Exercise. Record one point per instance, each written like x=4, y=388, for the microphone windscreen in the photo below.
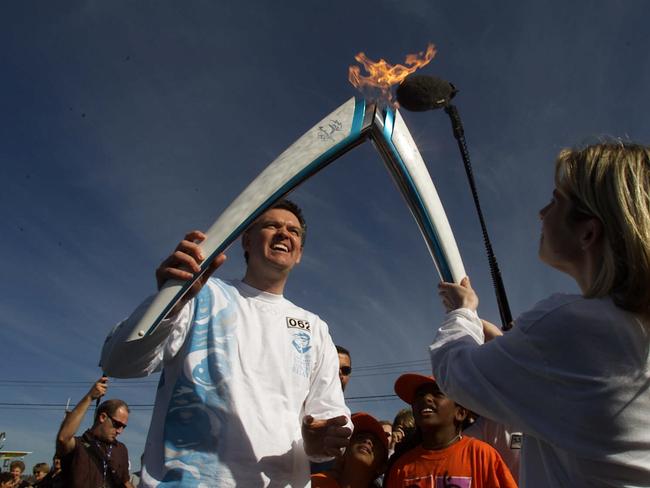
x=421, y=92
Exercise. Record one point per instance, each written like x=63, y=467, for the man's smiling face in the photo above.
x=274, y=241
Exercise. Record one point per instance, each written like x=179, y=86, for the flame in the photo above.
x=382, y=75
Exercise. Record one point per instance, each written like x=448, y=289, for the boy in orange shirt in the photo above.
x=364, y=459
x=440, y=455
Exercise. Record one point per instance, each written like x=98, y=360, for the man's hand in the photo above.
x=325, y=437
x=184, y=263
x=458, y=296
x=98, y=390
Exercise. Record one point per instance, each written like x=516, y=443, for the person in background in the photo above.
x=403, y=426
x=345, y=365
x=364, y=459
x=40, y=471
x=6, y=480
x=437, y=453
x=95, y=458
x=53, y=479
x=574, y=371
x=17, y=468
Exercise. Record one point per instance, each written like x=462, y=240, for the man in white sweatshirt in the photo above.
x=249, y=386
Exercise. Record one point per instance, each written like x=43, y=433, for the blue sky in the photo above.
x=126, y=124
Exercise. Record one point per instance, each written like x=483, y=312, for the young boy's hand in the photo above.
x=455, y=296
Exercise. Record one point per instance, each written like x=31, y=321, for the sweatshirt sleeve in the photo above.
x=506, y=379
x=325, y=398
x=121, y=358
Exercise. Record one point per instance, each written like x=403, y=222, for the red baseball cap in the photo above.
x=407, y=384
x=364, y=422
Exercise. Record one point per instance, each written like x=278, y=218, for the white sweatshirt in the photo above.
x=573, y=375
x=241, y=368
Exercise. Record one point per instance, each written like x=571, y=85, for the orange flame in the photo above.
x=382, y=75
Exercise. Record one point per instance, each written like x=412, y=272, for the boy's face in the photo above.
x=433, y=410
x=366, y=448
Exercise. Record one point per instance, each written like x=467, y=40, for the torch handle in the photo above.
x=497, y=281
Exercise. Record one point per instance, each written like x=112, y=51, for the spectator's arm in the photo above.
x=65, y=441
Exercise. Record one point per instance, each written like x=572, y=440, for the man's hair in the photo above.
x=386, y=422
x=611, y=182
x=17, y=464
x=344, y=351
x=40, y=468
x=286, y=204
x=110, y=407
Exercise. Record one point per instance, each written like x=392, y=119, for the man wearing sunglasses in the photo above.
x=345, y=365
x=95, y=458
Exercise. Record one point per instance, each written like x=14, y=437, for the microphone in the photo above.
x=419, y=93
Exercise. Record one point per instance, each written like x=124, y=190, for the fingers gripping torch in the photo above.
x=420, y=93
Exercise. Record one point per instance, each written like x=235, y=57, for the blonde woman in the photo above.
x=574, y=373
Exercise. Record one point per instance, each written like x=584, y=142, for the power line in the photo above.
x=45, y=406
x=360, y=372
x=415, y=362
x=72, y=382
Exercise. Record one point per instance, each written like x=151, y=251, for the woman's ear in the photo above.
x=591, y=233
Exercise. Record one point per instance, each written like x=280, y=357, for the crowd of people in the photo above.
x=43, y=476
x=376, y=450
x=251, y=391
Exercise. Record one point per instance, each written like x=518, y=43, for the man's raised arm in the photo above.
x=65, y=441
x=122, y=358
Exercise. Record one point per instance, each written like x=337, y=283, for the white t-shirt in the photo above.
x=573, y=375
x=241, y=368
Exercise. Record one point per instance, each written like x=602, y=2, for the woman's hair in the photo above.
x=404, y=418
x=611, y=182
